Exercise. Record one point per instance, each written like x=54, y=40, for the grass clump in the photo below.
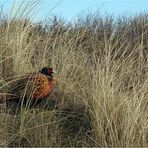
x=102, y=72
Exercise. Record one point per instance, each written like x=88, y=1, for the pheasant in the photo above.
x=33, y=87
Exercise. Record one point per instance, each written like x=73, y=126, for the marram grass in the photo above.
x=101, y=66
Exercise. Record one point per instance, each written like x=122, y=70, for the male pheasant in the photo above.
x=33, y=87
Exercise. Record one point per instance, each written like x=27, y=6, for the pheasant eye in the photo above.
x=50, y=70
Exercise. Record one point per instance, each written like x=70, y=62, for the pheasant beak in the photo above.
x=54, y=72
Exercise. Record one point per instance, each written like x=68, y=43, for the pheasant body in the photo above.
x=34, y=86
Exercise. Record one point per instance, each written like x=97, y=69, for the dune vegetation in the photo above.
x=101, y=66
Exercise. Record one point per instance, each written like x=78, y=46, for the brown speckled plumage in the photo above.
x=35, y=86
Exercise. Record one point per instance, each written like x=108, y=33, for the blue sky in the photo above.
x=70, y=9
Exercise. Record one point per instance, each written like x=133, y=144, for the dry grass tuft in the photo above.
x=102, y=72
